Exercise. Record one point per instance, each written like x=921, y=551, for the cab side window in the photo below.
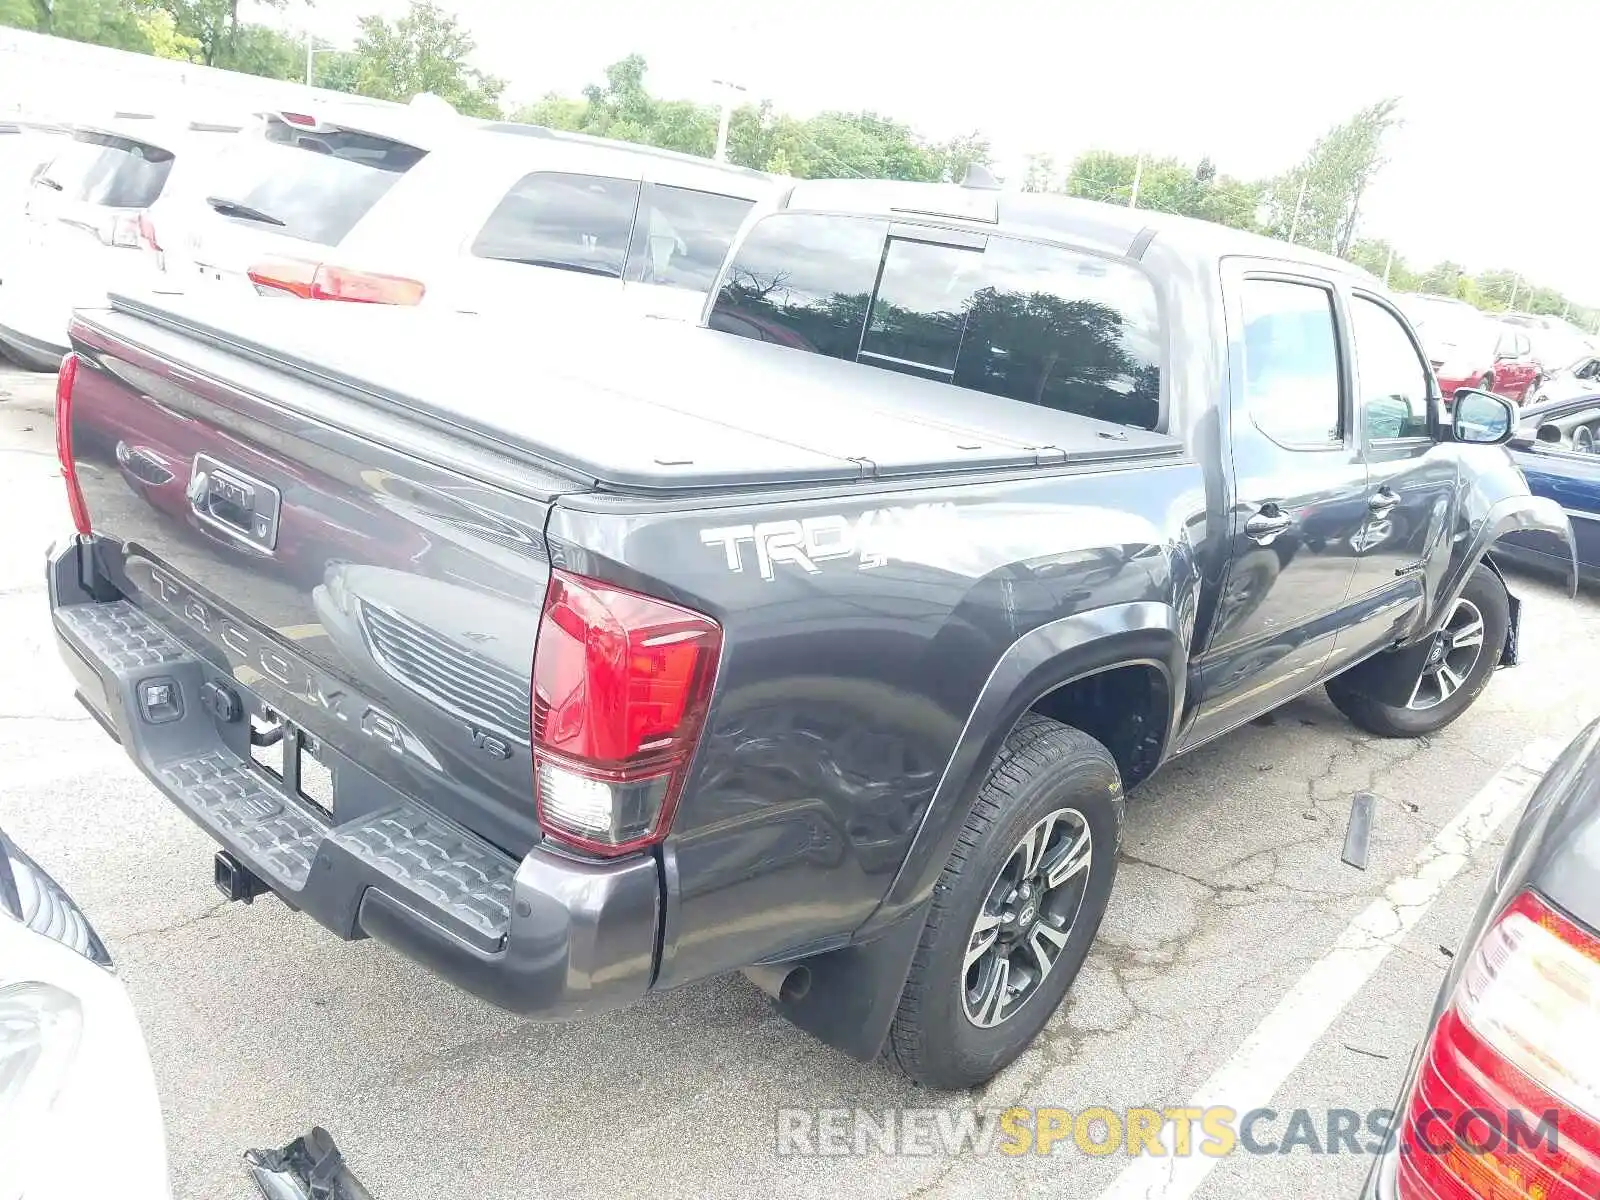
x=1291, y=363
x=1393, y=375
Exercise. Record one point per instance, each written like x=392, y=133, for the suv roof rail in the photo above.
x=520, y=129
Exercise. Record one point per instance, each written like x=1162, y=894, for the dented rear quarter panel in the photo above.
x=860, y=629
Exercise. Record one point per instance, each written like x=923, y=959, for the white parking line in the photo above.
x=1269, y=1055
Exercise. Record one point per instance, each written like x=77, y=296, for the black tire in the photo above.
x=1374, y=695
x=1043, y=769
x=1487, y=383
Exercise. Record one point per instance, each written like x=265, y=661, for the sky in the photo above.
x=1492, y=167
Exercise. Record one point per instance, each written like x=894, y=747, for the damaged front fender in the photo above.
x=1493, y=501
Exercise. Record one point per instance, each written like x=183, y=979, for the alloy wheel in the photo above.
x=1027, y=917
x=1451, y=658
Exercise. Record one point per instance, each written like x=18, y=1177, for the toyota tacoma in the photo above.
x=822, y=639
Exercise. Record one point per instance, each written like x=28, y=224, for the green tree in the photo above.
x=1040, y=174
x=1165, y=185
x=1318, y=202
x=1379, y=256
x=1444, y=278
x=426, y=50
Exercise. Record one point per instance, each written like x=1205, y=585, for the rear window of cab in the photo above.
x=1026, y=320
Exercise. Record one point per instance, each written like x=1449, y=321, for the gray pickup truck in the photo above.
x=820, y=640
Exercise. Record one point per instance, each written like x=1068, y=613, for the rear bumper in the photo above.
x=37, y=354
x=549, y=936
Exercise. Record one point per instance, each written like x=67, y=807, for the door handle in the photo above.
x=1267, y=524
x=1382, y=500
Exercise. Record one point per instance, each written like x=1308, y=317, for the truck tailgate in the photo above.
x=385, y=602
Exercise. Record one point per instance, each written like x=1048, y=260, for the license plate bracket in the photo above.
x=294, y=759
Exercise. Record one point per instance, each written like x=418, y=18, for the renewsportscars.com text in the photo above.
x=1158, y=1132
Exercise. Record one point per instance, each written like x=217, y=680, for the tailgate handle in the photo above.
x=234, y=502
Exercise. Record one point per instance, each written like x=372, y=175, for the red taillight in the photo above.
x=65, y=382
x=304, y=120
x=320, y=281
x=1506, y=1104
x=621, y=684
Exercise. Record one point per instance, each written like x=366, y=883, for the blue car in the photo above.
x=1557, y=445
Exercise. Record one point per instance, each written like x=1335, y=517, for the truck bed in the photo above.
x=668, y=407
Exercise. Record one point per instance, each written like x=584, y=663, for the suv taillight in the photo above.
x=621, y=684
x=65, y=382
x=1507, y=1099
x=321, y=281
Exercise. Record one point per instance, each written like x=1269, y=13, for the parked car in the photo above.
x=1502, y=1098
x=466, y=216
x=1578, y=378
x=852, y=611
x=87, y=229
x=1557, y=446
x=1467, y=348
x=79, y=1115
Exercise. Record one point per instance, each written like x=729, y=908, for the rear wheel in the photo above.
x=1487, y=382
x=1421, y=689
x=1016, y=909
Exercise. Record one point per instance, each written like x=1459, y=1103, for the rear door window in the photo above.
x=313, y=188
x=1031, y=322
x=681, y=236
x=108, y=170
x=1292, y=384
x=557, y=219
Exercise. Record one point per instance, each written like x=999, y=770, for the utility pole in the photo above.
x=726, y=117
x=1388, y=265
x=1138, y=175
x=311, y=56
x=1511, y=305
x=1299, y=202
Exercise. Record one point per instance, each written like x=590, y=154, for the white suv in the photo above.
x=86, y=227
x=467, y=216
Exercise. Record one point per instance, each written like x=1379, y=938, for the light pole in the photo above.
x=312, y=50
x=726, y=116
x=1138, y=177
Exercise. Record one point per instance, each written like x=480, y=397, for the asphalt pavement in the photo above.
x=1229, y=898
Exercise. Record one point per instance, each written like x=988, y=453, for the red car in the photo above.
x=1470, y=349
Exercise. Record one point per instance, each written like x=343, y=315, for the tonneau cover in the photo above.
x=646, y=404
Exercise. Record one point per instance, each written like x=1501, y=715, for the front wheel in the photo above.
x=1422, y=688
x=1016, y=909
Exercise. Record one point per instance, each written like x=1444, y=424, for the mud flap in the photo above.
x=1511, y=655
x=855, y=991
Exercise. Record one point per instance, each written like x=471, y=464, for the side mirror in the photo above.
x=1482, y=419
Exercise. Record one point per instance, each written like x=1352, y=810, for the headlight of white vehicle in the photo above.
x=41, y=1027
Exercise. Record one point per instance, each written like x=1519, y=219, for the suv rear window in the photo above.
x=103, y=168
x=318, y=184
x=1014, y=318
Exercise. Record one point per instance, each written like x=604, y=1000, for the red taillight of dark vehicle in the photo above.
x=1506, y=1105
x=321, y=281
x=65, y=382
x=621, y=684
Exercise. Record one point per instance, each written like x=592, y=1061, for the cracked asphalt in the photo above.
x=1230, y=886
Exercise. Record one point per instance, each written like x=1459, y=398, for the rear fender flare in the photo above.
x=854, y=991
x=1142, y=633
